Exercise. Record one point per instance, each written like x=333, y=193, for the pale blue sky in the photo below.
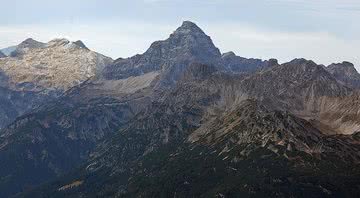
x=323, y=30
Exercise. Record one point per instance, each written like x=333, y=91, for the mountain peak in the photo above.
x=189, y=29
x=347, y=64
x=342, y=66
x=187, y=44
x=30, y=43
x=228, y=54
x=29, y=40
x=301, y=61
x=80, y=44
x=346, y=73
x=24, y=46
x=188, y=26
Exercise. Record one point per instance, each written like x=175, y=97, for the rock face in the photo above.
x=301, y=87
x=170, y=57
x=14, y=103
x=181, y=117
x=346, y=73
x=24, y=46
x=37, y=72
x=237, y=64
x=59, y=64
x=99, y=107
x=339, y=115
x=175, y=144
x=188, y=44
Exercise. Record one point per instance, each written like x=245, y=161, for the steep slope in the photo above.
x=203, y=94
x=297, y=85
x=346, y=73
x=36, y=72
x=164, y=121
x=205, y=131
x=308, y=91
x=14, y=103
x=186, y=45
x=25, y=46
x=92, y=110
x=339, y=115
x=151, y=103
x=58, y=64
x=250, y=151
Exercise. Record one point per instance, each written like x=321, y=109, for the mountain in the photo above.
x=169, y=57
x=161, y=122
x=339, y=115
x=207, y=129
x=58, y=64
x=100, y=106
x=308, y=91
x=24, y=46
x=237, y=64
x=346, y=73
x=183, y=146
x=38, y=72
x=7, y=51
x=2, y=55
x=188, y=44
x=14, y=103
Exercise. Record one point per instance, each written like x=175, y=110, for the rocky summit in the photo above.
x=37, y=72
x=58, y=64
x=180, y=120
x=346, y=73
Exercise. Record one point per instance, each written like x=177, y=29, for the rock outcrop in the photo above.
x=345, y=73
x=38, y=72
x=237, y=64
x=58, y=64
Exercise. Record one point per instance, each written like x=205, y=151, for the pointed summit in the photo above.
x=189, y=38
x=25, y=45
x=30, y=43
x=188, y=27
x=80, y=44
x=187, y=44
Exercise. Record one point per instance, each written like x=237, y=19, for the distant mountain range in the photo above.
x=180, y=120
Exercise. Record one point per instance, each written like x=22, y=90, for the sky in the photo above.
x=325, y=31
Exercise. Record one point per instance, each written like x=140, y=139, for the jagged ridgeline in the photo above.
x=184, y=120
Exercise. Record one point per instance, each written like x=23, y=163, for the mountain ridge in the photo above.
x=346, y=73
x=181, y=99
